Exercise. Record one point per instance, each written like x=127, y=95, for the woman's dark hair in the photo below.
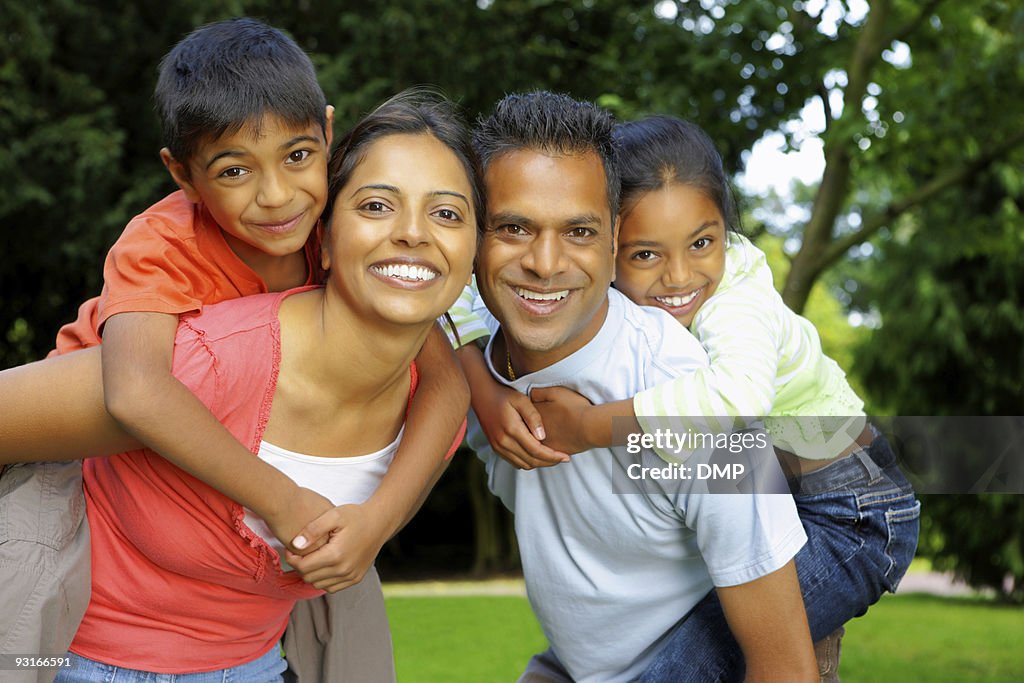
x=661, y=150
x=410, y=112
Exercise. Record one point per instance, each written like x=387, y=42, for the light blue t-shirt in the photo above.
x=609, y=574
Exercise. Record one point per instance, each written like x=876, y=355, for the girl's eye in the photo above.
x=298, y=156
x=448, y=215
x=702, y=243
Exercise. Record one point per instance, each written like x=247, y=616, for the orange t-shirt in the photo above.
x=172, y=258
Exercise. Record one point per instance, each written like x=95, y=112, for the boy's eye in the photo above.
x=233, y=172
x=298, y=156
x=645, y=255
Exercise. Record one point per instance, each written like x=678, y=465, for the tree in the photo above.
x=917, y=115
x=878, y=106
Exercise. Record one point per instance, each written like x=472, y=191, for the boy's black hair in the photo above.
x=551, y=123
x=411, y=112
x=661, y=150
x=225, y=75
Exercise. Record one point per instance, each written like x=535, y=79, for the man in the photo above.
x=610, y=575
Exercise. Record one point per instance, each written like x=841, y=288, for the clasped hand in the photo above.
x=339, y=547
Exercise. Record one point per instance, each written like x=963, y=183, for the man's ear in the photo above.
x=615, y=244
x=180, y=175
x=329, y=125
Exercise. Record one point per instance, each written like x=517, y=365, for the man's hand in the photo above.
x=354, y=538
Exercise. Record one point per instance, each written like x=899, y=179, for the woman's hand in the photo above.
x=354, y=538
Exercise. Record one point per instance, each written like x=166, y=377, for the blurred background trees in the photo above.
x=914, y=232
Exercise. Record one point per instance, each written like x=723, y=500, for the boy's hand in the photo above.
x=295, y=514
x=354, y=538
x=564, y=413
x=505, y=416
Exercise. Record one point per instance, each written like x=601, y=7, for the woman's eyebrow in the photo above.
x=449, y=193
x=376, y=186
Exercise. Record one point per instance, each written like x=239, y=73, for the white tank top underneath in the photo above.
x=341, y=480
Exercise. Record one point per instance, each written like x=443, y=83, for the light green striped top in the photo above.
x=765, y=362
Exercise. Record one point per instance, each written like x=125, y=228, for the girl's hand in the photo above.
x=564, y=413
x=354, y=538
x=514, y=428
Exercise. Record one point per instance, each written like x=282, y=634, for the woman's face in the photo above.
x=671, y=251
x=403, y=231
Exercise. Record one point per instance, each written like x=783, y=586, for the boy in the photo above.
x=248, y=133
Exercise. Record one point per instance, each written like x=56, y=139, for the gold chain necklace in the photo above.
x=508, y=366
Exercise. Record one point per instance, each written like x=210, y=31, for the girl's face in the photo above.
x=403, y=231
x=671, y=250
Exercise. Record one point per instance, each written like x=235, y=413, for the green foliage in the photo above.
x=950, y=293
x=984, y=554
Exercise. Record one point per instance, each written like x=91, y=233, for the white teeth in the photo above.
x=406, y=272
x=675, y=301
x=542, y=296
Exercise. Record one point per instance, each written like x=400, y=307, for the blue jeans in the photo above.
x=265, y=669
x=862, y=522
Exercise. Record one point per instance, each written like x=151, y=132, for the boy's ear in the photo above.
x=329, y=125
x=180, y=175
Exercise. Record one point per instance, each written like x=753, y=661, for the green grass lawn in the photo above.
x=462, y=639
x=926, y=638
x=903, y=638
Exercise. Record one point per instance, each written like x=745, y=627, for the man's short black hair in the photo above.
x=231, y=73
x=552, y=123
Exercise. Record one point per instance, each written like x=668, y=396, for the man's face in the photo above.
x=547, y=257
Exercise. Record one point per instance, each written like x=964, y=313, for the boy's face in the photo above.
x=265, y=185
x=547, y=258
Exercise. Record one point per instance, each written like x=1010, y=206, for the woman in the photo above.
x=314, y=380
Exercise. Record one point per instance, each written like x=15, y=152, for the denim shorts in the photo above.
x=265, y=669
x=862, y=522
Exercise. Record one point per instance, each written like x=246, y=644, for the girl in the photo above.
x=315, y=380
x=678, y=249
